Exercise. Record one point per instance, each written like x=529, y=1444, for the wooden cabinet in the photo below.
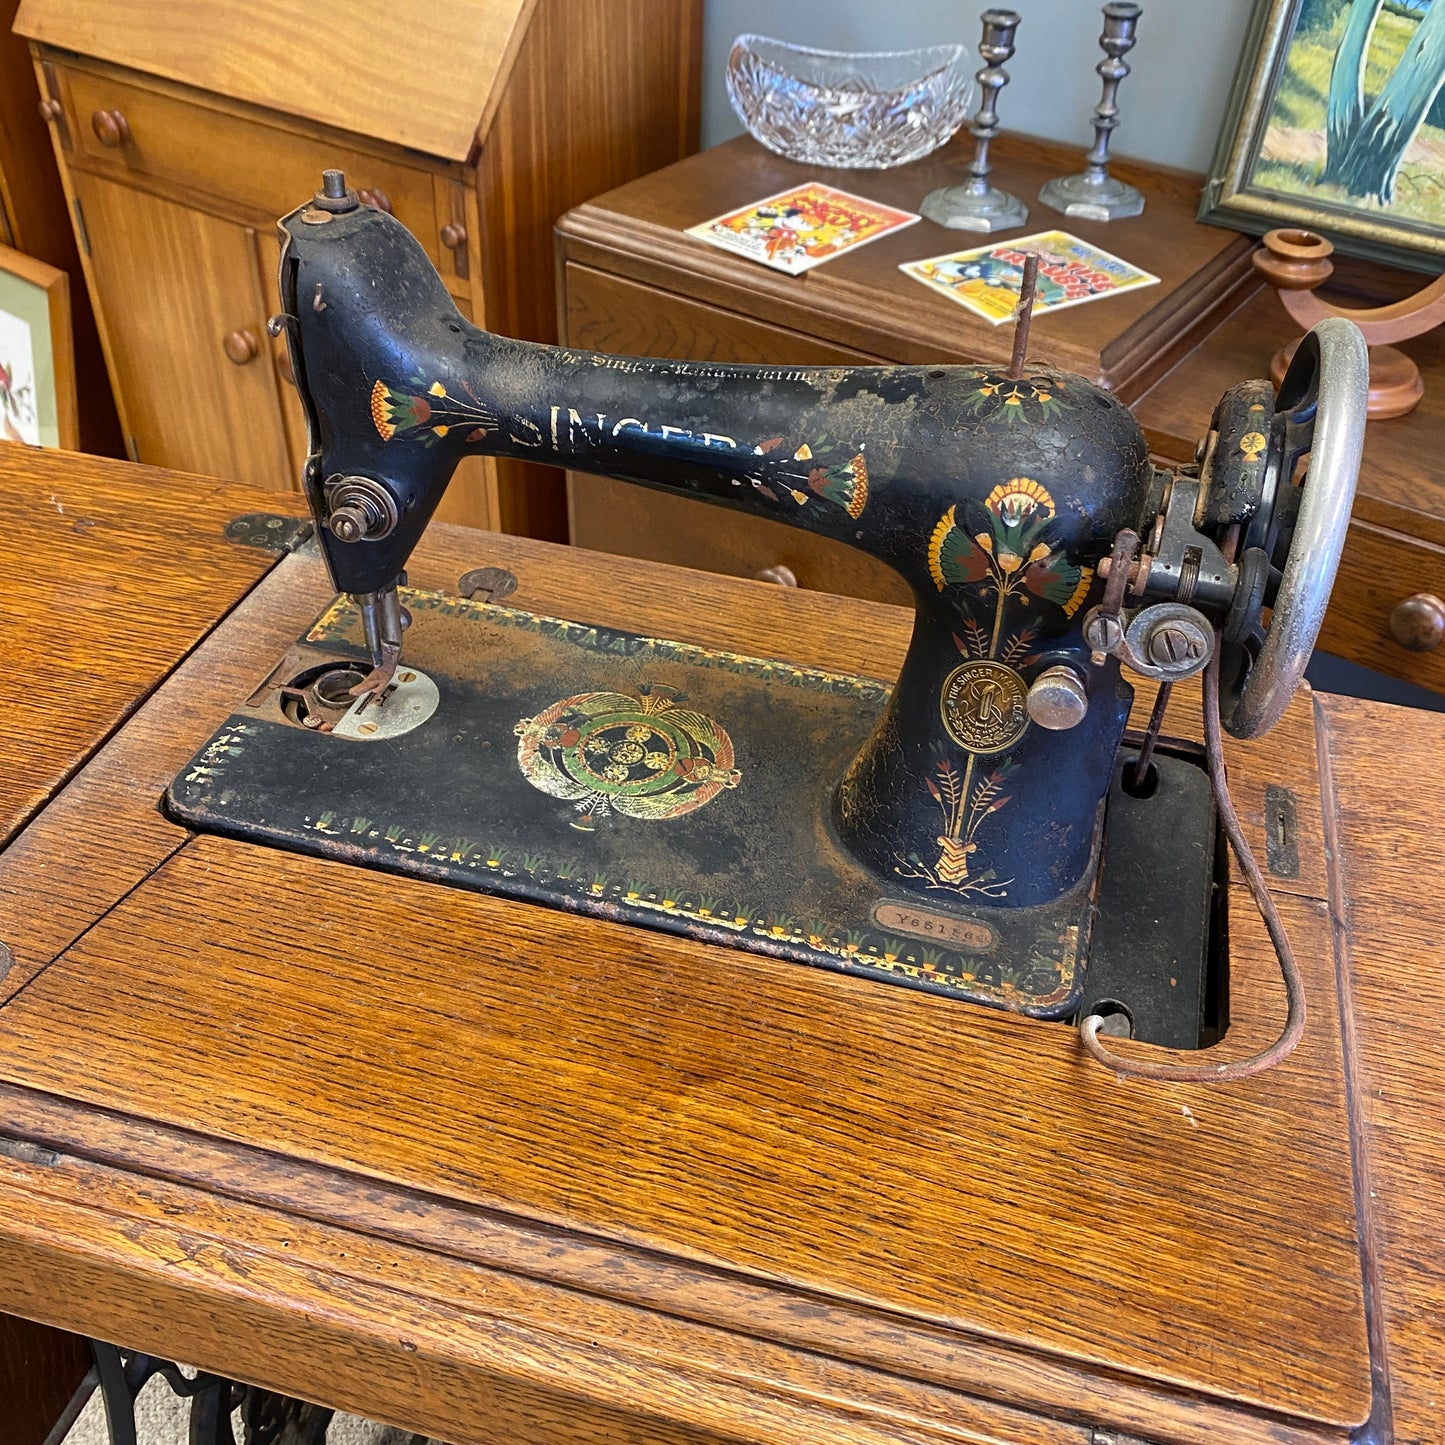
x=632, y=283
x=183, y=136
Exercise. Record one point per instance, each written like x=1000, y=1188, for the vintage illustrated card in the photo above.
x=801, y=228
x=987, y=279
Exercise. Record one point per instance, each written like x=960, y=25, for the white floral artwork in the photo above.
x=19, y=420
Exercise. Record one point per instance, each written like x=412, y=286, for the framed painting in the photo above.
x=1336, y=123
x=37, y=357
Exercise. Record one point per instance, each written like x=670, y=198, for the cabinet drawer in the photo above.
x=1379, y=570
x=227, y=161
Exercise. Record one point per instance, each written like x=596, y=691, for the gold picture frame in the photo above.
x=38, y=403
x=1318, y=129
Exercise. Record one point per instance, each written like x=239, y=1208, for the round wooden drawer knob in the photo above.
x=783, y=576
x=49, y=110
x=377, y=200
x=241, y=346
x=1418, y=622
x=111, y=127
x=454, y=237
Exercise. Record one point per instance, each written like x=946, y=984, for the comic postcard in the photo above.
x=801, y=228
x=987, y=279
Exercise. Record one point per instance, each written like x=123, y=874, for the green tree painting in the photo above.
x=1356, y=115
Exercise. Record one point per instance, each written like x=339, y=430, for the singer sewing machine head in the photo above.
x=967, y=810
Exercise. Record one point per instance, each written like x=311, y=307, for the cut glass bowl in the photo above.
x=833, y=108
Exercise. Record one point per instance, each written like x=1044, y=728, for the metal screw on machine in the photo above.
x=334, y=198
x=1172, y=646
x=1169, y=641
x=1093, y=194
x=976, y=205
x=1058, y=699
x=1103, y=633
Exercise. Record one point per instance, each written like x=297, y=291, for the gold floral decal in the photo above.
x=1005, y=553
x=844, y=482
x=432, y=412
x=645, y=756
x=1016, y=398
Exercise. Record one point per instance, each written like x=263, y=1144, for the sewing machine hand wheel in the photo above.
x=1291, y=549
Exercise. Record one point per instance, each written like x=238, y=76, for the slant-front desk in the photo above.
x=498, y=1171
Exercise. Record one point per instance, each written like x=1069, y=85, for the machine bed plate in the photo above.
x=641, y=780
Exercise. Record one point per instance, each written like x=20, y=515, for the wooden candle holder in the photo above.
x=1295, y=262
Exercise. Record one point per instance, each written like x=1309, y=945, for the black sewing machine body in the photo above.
x=947, y=832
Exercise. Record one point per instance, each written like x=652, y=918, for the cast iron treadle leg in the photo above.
x=210, y=1411
x=117, y=1392
x=267, y=1418
x=272, y=1419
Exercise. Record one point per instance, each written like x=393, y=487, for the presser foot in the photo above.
x=383, y=620
x=376, y=686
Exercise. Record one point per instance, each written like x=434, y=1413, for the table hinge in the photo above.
x=269, y=531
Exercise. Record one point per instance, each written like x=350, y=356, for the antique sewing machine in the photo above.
x=979, y=830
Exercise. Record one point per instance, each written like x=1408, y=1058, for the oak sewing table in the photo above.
x=500, y=1173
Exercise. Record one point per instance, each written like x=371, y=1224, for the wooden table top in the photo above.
x=328, y=1129
x=89, y=634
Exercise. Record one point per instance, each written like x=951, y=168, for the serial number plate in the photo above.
x=938, y=927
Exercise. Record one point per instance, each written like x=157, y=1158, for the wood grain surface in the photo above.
x=108, y=582
x=706, y=1191
x=1389, y=862
x=429, y=89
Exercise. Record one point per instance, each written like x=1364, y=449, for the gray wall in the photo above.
x=1170, y=106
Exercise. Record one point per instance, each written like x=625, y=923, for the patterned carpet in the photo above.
x=161, y=1418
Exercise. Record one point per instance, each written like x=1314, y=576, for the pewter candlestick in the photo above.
x=976, y=205
x=1094, y=194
